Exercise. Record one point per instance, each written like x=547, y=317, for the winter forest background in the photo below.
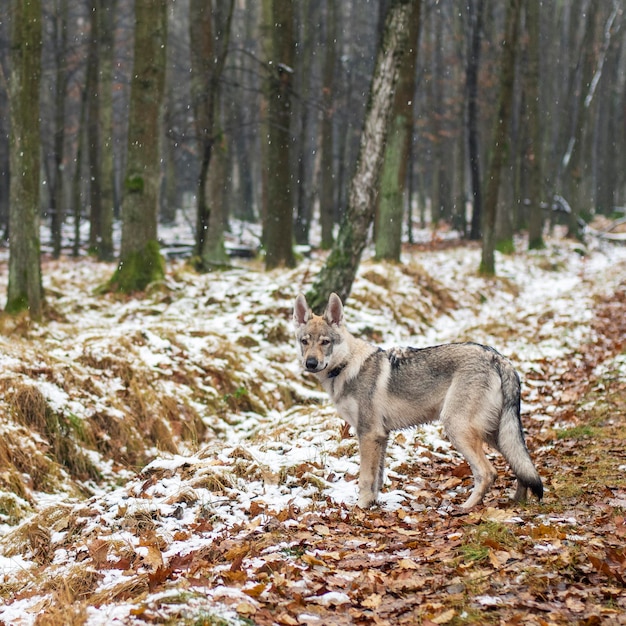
x=172, y=174
x=251, y=112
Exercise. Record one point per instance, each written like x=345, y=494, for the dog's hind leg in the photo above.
x=470, y=445
x=372, y=448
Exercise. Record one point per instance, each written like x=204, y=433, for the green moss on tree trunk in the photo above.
x=17, y=304
x=506, y=246
x=138, y=269
x=536, y=243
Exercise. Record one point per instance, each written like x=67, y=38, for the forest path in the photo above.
x=258, y=526
x=559, y=562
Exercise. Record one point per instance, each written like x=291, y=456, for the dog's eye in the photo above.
x=304, y=342
x=325, y=342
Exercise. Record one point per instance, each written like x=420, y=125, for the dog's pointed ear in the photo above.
x=301, y=311
x=334, y=310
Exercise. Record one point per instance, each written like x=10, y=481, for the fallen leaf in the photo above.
x=445, y=617
x=575, y=605
x=256, y=591
x=256, y=508
x=451, y=483
x=158, y=577
x=150, y=556
x=372, y=602
x=236, y=554
x=604, y=568
x=498, y=558
x=322, y=529
x=99, y=551
x=313, y=561
x=489, y=514
x=42, y=605
x=245, y=608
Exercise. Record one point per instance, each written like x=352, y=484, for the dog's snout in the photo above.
x=311, y=363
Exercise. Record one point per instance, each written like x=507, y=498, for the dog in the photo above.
x=472, y=388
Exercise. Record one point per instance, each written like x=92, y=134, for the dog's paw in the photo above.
x=366, y=502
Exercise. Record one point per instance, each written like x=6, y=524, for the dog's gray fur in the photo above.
x=472, y=388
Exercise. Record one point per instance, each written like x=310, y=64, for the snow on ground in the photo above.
x=219, y=346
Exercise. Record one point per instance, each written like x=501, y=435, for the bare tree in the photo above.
x=106, y=10
x=140, y=257
x=500, y=135
x=533, y=154
x=25, y=289
x=341, y=266
x=93, y=129
x=209, y=47
x=471, y=85
x=576, y=166
x=55, y=177
x=278, y=225
x=327, y=194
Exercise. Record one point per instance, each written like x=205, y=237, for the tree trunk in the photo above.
x=5, y=127
x=533, y=151
x=140, y=258
x=328, y=196
x=278, y=232
x=202, y=101
x=575, y=163
x=214, y=253
x=394, y=172
x=93, y=131
x=106, y=13
x=77, y=179
x=441, y=206
x=610, y=173
x=500, y=136
x=24, y=289
x=309, y=22
x=209, y=46
x=56, y=186
x=341, y=266
x=471, y=85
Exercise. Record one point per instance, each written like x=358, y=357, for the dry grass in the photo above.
x=184, y=420
x=66, y=434
x=30, y=408
x=36, y=533
x=214, y=479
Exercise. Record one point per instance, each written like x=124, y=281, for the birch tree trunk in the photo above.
x=342, y=264
x=140, y=257
x=24, y=289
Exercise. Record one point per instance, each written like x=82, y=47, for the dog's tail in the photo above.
x=511, y=443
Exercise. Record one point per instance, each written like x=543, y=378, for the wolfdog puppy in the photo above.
x=472, y=388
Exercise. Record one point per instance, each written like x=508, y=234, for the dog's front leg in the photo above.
x=372, y=448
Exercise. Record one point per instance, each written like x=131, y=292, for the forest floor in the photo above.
x=164, y=461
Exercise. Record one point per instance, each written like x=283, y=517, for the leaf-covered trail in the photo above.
x=243, y=512
x=561, y=562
